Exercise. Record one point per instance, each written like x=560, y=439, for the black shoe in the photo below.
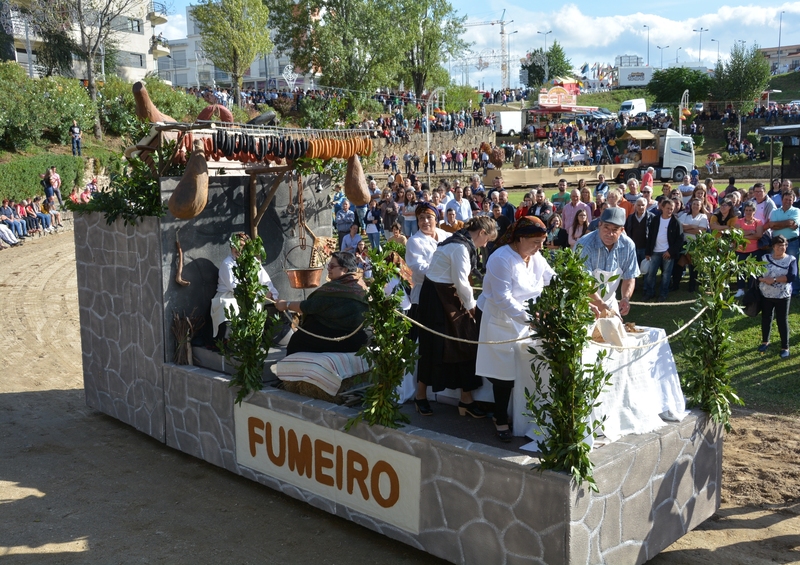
x=423, y=406
x=472, y=409
x=504, y=435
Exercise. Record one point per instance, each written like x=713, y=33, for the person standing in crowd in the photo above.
x=610, y=256
x=350, y=241
x=725, y=218
x=76, y=135
x=408, y=210
x=752, y=230
x=776, y=289
x=541, y=208
x=447, y=305
x=562, y=197
x=785, y=221
x=602, y=186
x=344, y=219
x=460, y=205
x=374, y=224
x=506, y=207
x=579, y=228
x=570, y=209
x=764, y=205
x=450, y=224
x=637, y=227
x=515, y=273
x=55, y=184
x=664, y=244
x=695, y=222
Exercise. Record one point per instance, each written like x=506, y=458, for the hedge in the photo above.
x=20, y=178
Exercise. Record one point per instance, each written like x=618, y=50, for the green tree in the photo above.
x=437, y=36
x=233, y=33
x=54, y=55
x=741, y=80
x=458, y=97
x=668, y=85
x=94, y=22
x=557, y=65
x=353, y=43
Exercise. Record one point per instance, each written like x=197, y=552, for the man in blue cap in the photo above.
x=610, y=256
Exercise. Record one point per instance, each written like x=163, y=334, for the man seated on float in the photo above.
x=227, y=282
x=611, y=258
x=334, y=310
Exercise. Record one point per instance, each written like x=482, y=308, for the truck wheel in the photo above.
x=678, y=174
x=512, y=133
x=631, y=174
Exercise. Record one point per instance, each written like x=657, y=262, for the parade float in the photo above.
x=461, y=500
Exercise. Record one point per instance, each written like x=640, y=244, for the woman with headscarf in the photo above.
x=516, y=272
x=447, y=305
x=333, y=310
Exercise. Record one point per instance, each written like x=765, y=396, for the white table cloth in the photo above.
x=644, y=388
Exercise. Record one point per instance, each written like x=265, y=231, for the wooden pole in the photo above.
x=256, y=213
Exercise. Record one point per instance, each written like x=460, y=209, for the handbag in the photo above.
x=751, y=301
x=644, y=266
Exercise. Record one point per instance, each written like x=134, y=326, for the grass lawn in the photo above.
x=765, y=382
x=788, y=84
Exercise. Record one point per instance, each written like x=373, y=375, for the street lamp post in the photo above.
x=662, y=53
x=717, y=42
x=676, y=54
x=546, y=62
x=428, y=103
x=700, y=52
x=648, y=44
x=508, y=59
x=780, y=28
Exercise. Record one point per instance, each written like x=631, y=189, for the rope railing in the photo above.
x=506, y=341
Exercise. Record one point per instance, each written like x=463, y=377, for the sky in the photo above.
x=597, y=32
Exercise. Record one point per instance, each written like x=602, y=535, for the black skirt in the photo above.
x=444, y=363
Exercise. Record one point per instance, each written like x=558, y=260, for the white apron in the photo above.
x=608, y=287
x=503, y=361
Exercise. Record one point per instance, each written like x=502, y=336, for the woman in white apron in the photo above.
x=226, y=283
x=515, y=273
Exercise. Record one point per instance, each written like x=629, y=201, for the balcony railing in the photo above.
x=157, y=13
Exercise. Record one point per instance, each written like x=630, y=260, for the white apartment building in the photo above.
x=188, y=66
x=138, y=48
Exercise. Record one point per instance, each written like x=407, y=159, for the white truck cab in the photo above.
x=633, y=107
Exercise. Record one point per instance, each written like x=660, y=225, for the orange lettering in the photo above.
x=339, y=466
x=359, y=474
x=279, y=459
x=254, y=437
x=394, y=484
x=300, y=454
x=322, y=462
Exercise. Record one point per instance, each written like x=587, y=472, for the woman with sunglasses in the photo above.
x=333, y=310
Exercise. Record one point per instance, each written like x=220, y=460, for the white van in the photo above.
x=633, y=107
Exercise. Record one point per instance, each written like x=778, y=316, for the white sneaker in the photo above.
x=739, y=293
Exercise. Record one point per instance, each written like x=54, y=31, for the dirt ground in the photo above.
x=80, y=487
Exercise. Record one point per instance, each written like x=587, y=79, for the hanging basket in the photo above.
x=303, y=278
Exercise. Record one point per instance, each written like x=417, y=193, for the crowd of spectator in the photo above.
x=40, y=215
x=687, y=210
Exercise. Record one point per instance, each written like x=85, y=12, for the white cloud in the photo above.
x=175, y=28
x=590, y=38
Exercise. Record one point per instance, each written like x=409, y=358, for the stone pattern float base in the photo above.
x=481, y=504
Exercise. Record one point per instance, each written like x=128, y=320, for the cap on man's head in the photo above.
x=614, y=216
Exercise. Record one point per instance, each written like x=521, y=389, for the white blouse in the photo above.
x=451, y=265
x=419, y=251
x=509, y=283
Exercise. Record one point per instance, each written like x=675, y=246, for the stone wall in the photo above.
x=122, y=329
x=440, y=142
x=484, y=505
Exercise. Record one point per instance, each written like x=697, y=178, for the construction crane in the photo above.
x=503, y=44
